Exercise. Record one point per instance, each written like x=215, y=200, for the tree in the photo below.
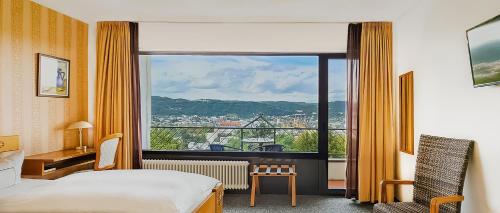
x=164, y=139
x=235, y=143
x=286, y=140
x=259, y=130
x=336, y=145
x=307, y=141
x=193, y=134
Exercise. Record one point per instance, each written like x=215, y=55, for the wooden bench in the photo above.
x=273, y=171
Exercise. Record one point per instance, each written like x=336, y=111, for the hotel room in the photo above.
x=249, y=106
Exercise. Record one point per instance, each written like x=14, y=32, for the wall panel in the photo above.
x=27, y=28
x=243, y=37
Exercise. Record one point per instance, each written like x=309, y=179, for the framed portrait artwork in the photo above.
x=52, y=76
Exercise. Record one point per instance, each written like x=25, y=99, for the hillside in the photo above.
x=163, y=106
x=486, y=53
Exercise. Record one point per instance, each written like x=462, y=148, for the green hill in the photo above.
x=164, y=106
x=486, y=53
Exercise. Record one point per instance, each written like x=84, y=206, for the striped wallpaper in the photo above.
x=27, y=28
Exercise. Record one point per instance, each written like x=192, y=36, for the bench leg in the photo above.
x=257, y=185
x=294, y=195
x=289, y=185
x=252, y=195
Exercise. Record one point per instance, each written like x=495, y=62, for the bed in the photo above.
x=127, y=191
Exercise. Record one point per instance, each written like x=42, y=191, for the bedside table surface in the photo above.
x=56, y=156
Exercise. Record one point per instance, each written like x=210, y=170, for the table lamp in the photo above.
x=80, y=125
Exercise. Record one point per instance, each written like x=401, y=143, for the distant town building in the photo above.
x=228, y=123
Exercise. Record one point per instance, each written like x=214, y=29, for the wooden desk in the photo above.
x=57, y=164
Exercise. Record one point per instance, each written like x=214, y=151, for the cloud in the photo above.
x=484, y=34
x=166, y=86
x=250, y=78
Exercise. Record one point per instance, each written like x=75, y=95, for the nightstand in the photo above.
x=57, y=164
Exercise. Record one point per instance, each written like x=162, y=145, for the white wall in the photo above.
x=243, y=37
x=336, y=170
x=431, y=40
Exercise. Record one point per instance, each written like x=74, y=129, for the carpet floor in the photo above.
x=281, y=203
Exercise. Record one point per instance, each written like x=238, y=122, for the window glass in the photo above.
x=337, y=99
x=232, y=103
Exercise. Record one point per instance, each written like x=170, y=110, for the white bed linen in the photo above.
x=25, y=186
x=111, y=191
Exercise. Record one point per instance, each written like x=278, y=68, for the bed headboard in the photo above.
x=9, y=143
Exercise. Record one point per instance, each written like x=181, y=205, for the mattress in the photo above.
x=110, y=191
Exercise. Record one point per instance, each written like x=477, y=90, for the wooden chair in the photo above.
x=439, y=177
x=106, y=152
x=273, y=171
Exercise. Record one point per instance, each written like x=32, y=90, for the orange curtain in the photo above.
x=136, y=97
x=376, y=112
x=353, y=51
x=114, y=87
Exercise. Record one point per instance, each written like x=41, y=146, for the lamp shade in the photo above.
x=80, y=125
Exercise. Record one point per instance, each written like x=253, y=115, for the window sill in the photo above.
x=150, y=154
x=337, y=160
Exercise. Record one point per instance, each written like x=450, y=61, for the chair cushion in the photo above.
x=406, y=207
x=108, y=152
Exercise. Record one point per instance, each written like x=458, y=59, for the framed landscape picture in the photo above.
x=484, y=52
x=53, y=76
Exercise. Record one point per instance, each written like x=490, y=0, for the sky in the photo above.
x=484, y=34
x=243, y=78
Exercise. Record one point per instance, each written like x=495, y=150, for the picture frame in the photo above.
x=53, y=76
x=406, y=113
x=484, y=52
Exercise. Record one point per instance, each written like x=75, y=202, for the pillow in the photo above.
x=11, y=164
x=7, y=174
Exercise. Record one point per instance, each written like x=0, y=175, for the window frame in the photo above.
x=322, y=127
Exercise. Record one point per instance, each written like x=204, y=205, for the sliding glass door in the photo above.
x=337, y=89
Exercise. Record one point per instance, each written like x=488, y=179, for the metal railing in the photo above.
x=245, y=139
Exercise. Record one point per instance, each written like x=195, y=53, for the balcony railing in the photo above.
x=246, y=139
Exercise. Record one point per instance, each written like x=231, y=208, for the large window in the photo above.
x=238, y=103
x=337, y=90
x=337, y=97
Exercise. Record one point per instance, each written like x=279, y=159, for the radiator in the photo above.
x=233, y=174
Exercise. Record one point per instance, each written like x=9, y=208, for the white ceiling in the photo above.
x=232, y=10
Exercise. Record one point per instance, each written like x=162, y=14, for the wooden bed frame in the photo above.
x=214, y=203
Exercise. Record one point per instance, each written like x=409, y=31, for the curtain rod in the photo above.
x=248, y=22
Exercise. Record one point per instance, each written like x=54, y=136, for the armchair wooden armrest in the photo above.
x=383, y=187
x=435, y=202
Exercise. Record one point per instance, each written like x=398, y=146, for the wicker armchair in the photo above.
x=439, y=177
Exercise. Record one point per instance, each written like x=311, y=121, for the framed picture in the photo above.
x=53, y=76
x=406, y=113
x=484, y=52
